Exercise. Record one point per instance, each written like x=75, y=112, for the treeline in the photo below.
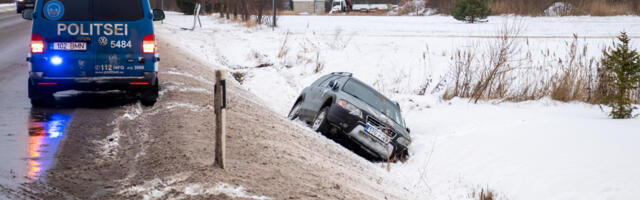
x=537, y=7
x=237, y=9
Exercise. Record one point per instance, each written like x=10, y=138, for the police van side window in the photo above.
x=97, y=10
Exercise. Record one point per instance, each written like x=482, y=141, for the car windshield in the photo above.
x=98, y=10
x=336, y=3
x=374, y=99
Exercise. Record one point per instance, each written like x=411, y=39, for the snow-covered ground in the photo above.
x=532, y=150
x=5, y=7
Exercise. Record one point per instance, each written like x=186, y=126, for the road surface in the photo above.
x=30, y=137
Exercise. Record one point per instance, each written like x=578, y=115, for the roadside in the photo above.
x=166, y=151
x=515, y=149
x=7, y=7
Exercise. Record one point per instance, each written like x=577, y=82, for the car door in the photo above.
x=305, y=108
x=319, y=93
x=119, y=43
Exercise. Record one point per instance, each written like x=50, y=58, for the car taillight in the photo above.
x=37, y=43
x=149, y=44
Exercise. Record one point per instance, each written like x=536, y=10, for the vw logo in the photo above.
x=102, y=41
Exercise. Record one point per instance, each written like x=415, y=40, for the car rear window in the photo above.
x=100, y=10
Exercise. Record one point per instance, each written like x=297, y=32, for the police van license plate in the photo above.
x=377, y=133
x=70, y=46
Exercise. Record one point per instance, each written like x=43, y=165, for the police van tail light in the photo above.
x=37, y=43
x=149, y=44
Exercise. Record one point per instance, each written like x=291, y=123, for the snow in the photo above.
x=532, y=150
x=158, y=188
x=7, y=7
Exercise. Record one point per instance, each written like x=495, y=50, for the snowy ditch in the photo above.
x=539, y=149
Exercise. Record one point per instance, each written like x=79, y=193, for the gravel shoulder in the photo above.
x=166, y=151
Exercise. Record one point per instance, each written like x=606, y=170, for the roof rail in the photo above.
x=343, y=73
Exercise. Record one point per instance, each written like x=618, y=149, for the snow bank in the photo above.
x=532, y=150
x=167, y=188
x=6, y=7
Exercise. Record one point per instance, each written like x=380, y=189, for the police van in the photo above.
x=92, y=45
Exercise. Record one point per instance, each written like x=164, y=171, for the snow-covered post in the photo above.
x=220, y=106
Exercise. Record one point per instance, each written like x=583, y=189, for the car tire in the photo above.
x=149, y=96
x=40, y=98
x=295, y=111
x=401, y=156
x=320, y=121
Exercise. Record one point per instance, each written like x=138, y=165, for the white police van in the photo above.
x=93, y=45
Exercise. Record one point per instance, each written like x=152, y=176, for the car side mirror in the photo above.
x=333, y=85
x=408, y=130
x=158, y=15
x=27, y=14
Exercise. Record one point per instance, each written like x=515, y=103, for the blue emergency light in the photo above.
x=56, y=60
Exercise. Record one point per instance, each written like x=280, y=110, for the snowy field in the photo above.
x=532, y=150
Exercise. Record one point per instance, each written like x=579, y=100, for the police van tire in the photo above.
x=149, y=96
x=39, y=98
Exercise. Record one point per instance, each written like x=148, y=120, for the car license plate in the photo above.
x=377, y=133
x=70, y=46
x=29, y=5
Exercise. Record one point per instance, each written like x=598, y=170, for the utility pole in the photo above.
x=161, y=7
x=273, y=4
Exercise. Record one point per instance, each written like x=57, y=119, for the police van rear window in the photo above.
x=92, y=10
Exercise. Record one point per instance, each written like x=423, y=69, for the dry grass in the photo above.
x=486, y=194
x=537, y=7
x=491, y=75
x=577, y=78
x=239, y=76
x=486, y=75
x=606, y=7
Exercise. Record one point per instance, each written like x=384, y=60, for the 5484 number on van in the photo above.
x=120, y=44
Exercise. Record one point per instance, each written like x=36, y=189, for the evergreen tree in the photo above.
x=471, y=11
x=622, y=67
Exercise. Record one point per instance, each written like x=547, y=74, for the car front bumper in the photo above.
x=370, y=143
x=354, y=128
x=149, y=79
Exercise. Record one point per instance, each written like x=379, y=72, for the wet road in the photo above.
x=24, y=154
x=30, y=137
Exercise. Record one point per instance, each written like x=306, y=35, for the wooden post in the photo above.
x=221, y=118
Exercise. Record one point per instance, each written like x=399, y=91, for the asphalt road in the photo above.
x=30, y=137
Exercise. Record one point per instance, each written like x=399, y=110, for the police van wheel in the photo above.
x=40, y=98
x=149, y=96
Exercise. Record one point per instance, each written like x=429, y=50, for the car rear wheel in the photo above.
x=295, y=111
x=149, y=96
x=320, y=122
x=40, y=98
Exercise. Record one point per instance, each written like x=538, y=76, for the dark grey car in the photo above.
x=340, y=105
x=24, y=4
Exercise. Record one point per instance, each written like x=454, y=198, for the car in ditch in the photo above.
x=92, y=45
x=338, y=104
x=24, y=4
